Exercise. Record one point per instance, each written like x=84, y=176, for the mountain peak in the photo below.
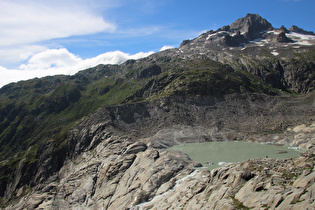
x=240, y=32
x=249, y=31
x=251, y=25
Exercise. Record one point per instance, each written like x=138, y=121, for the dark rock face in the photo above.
x=247, y=175
x=252, y=25
x=150, y=71
x=284, y=29
x=185, y=42
x=282, y=38
x=235, y=41
x=225, y=28
x=296, y=29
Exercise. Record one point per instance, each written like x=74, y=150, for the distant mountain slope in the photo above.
x=260, y=77
x=280, y=57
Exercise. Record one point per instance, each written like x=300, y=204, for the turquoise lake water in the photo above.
x=231, y=152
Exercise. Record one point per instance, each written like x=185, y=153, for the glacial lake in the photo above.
x=214, y=154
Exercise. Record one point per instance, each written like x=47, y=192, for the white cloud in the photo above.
x=51, y=59
x=24, y=22
x=61, y=61
x=20, y=53
x=26, y=25
x=166, y=47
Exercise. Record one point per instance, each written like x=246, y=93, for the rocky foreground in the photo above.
x=122, y=174
x=114, y=164
x=253, y=184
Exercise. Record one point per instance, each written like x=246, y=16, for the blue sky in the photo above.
x=44, y=37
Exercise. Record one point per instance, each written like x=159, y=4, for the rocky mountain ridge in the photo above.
x=251, y=29
x=97, y=139
x=251, y=43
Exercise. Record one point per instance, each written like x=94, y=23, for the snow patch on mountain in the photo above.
x=294, y=35
x=260, y=42
x=301, y=39
x=275, y=53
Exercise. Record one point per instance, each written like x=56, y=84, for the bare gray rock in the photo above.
x=226, y=187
